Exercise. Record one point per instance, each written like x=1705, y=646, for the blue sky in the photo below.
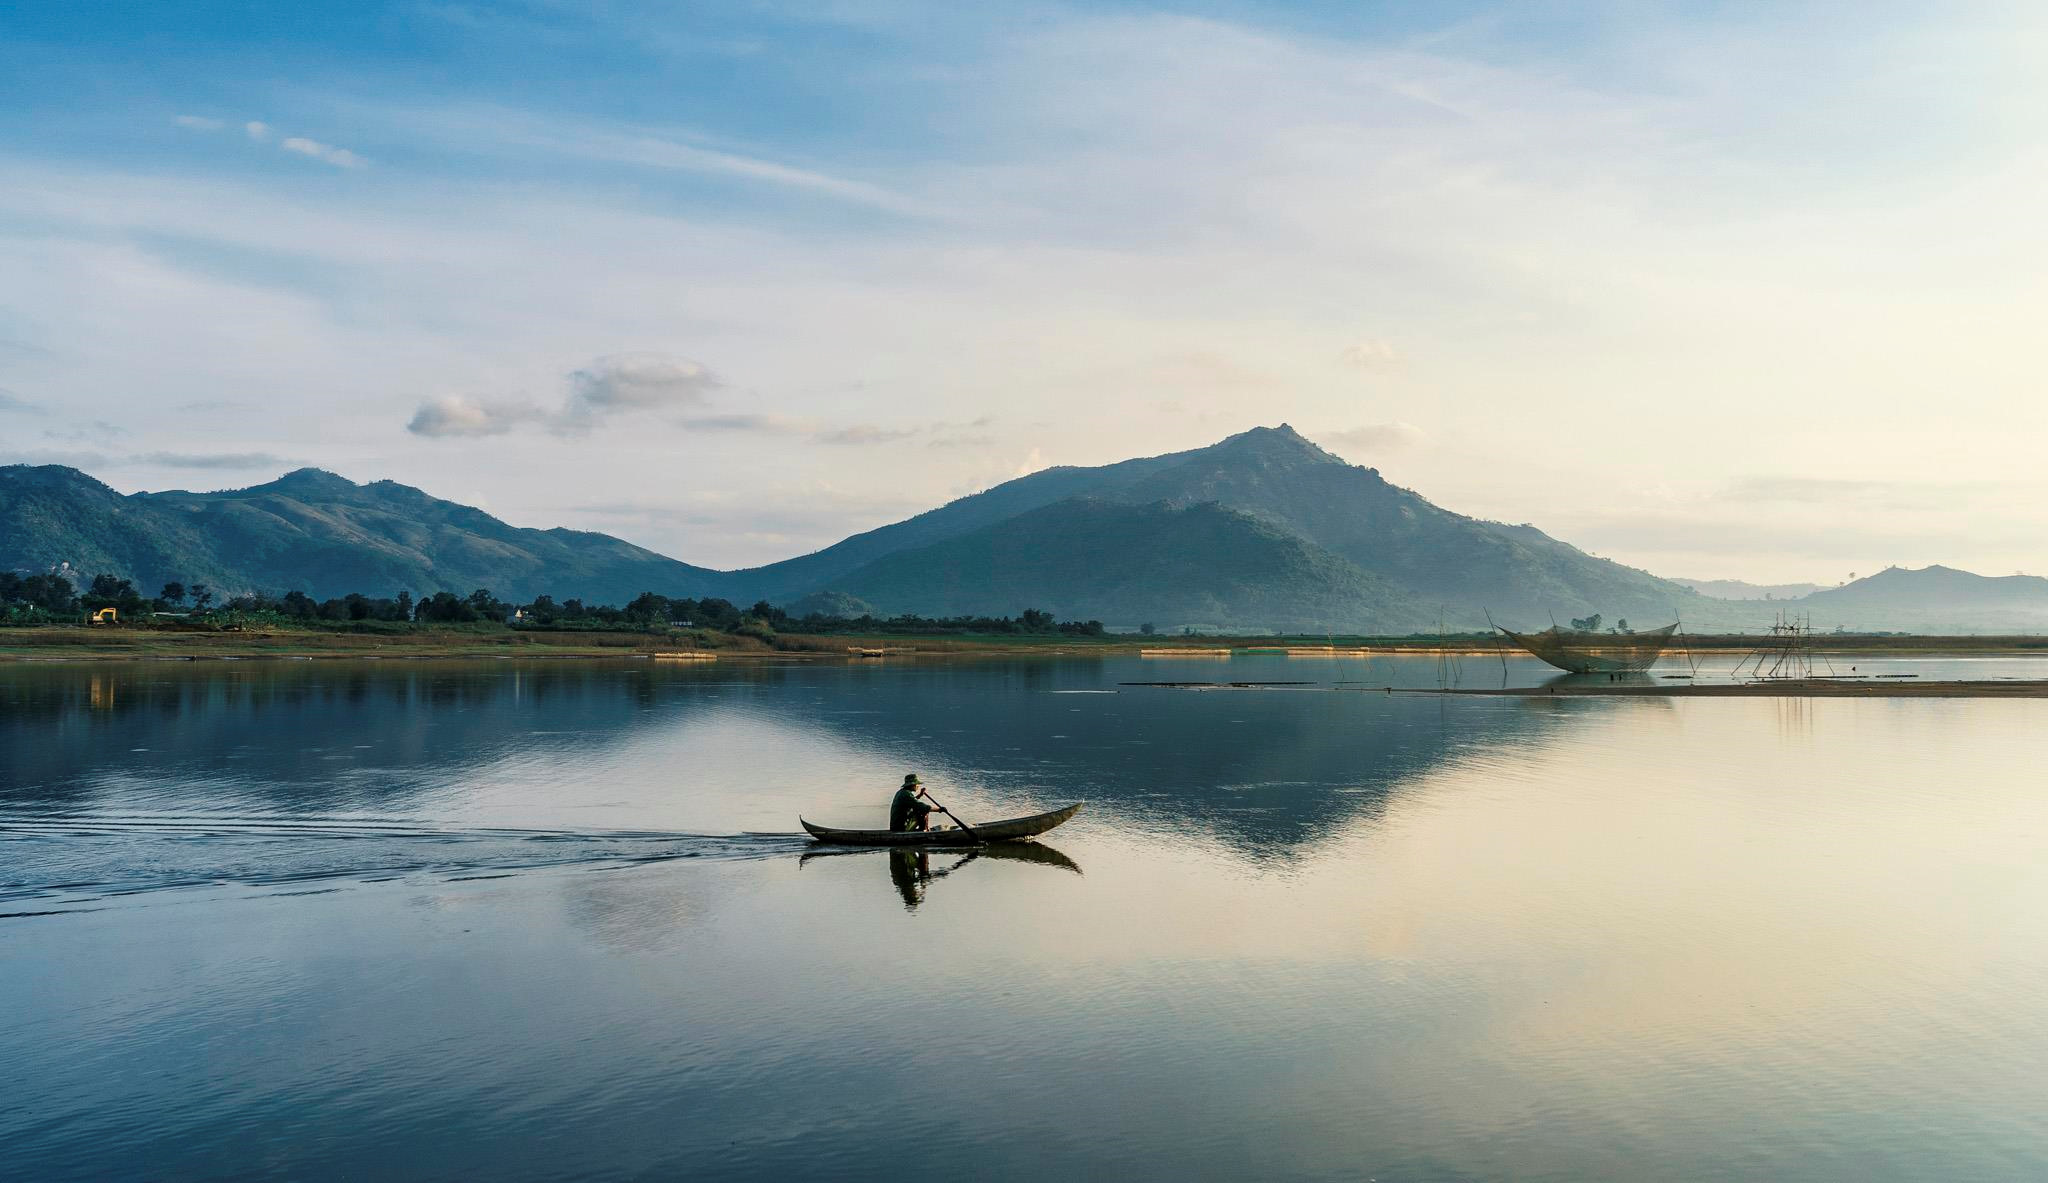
x=1719, y=290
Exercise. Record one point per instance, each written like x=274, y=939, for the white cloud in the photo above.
x=635, y=382
x=454, y=416
x=606, y=387
x=328, y=153
x=263, y=133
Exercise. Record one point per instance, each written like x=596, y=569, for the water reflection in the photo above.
x=910, y=868
x=561, y=743
x=1541, y=939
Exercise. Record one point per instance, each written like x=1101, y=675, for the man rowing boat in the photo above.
x=906, y=811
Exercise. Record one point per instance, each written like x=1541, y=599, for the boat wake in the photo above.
x=51, y=864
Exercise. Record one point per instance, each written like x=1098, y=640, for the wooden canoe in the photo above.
x=1012, y=830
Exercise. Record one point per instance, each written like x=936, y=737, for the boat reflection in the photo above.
x=910, y=867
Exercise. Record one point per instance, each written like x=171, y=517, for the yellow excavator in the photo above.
x=105, y=616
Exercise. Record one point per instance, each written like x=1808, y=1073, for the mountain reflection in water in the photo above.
x=706, y=750
x=545, y=920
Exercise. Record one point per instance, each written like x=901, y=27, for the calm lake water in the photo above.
x=549, y=920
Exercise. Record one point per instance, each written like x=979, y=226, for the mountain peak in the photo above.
x=312, y=480
x=1276, y=443
x=52, y=476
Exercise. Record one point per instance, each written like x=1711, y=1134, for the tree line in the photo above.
x=52, y=598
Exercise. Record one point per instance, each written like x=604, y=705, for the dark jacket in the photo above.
x=908, y=808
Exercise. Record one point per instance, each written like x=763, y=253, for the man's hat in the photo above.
x=910, y=781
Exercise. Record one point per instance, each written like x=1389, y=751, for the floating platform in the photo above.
x=1767, y=688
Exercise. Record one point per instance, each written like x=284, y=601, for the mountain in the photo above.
x=1263, y=530
x=1465, y=565
x=793, y=577
x=319, y=533
x=1379, y=536
x=1090, y=559
x=1736, y=589
x=1933, y=599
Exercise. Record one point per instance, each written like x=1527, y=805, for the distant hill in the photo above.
x=1085, y=558
x=319, y=533
x=1736, y=589
x=1933, y=599
x=1263, y=530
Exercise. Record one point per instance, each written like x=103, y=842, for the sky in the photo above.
x=1716, y=290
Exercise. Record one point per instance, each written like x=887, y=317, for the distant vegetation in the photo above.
x=51, y=598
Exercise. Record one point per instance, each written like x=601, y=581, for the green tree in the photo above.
x=202, y=597
x=647, y=608
x=486, y=606
x=173, y=593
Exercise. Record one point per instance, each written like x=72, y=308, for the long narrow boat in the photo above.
x=1012, y=830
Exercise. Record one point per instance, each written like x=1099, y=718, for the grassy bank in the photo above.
x=79, y=643
x=86, y=643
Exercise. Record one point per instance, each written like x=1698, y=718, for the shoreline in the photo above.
x=77, y=643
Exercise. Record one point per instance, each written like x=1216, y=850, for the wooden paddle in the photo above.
x=969, y=830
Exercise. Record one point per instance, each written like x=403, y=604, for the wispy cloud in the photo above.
x=326, y=153
x=459, y=417
x=749, y=424
x=92, y=431
x=263, y=133
x=941, y=434
x=865, y=433
x=211, y=460
x=9, y=401
x=491, y=130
